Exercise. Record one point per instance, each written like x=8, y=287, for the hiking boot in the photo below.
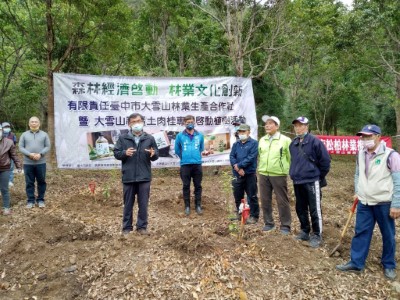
x=268, y=228
x=143, y=231
x=302, y=236
x=41, y=204
x=30, y=205
x=6, y=211
x=390, y=273
x=251, y=220
x=125, y=232
x=199, y=211
x=348, y=267
x=187, y=211
x=315, y=241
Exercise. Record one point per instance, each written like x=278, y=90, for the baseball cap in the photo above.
x=244, y=127
x=275, y=119
x=5, y=124
x=302, y=120
x=369, y=130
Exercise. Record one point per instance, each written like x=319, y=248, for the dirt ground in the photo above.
x=73, y=249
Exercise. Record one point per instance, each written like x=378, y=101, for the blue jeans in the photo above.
x=32, y=173
x=11, y=172
x=366, y=218
x=5, y=194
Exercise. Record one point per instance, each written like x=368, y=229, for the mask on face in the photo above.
x=243, y=137
x=189, y=126
x=137, y=127
x=1, y=135
x=237, y=128
x=369, y=144
x=6, y=130
x=301, y=135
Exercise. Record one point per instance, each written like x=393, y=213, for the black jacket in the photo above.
x=136, y=168
x=310, y=161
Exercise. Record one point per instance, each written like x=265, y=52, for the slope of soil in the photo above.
x=73, y=249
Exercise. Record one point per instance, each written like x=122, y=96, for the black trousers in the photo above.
x=142, y=190
x=248, y=184
x=189, y=172
x=308, y=201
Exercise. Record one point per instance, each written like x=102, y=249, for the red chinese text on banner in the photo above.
x=346, y=145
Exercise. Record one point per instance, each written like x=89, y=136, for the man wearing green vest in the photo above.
x=273, y=168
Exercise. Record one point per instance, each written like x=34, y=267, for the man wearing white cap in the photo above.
x=377, y=187
x=273, y=168
x=310, y=163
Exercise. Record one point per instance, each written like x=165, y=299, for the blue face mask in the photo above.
x=237, y=128
x=137, y=127
x=190, y=126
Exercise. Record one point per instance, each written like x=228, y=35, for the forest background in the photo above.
x=339, y=66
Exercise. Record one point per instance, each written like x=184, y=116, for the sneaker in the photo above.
x=187, y=211
x=143, y=231
x=302, y=236
x=30, y=205
x=285, y=231
x=125, y=232
x=10, y=184
x=199, y=211
x=348, y=267
x=268, y=228
x=6, y=211
x=390, y=273
x=251, y=220
x=315, y=241
x=41, y=204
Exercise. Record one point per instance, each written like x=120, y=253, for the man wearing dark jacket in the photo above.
x=243, y=159
x=310, y=163
x=136, y=149
x=8, y=153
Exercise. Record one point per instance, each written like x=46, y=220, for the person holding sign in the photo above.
x=189, y=146
x=136, y=149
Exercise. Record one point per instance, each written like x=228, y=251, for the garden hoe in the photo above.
x=351, y=213
x=245, y=212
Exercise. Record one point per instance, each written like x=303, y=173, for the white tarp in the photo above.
x=91, y=112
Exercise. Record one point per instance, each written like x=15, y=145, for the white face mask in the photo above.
x=137, y=127
x=6, y=130
x=243, y=137
x=368, y=144
x=1, y=134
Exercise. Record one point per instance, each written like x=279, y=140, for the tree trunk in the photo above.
x=50, y=91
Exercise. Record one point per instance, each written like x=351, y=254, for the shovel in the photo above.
x=352, y=210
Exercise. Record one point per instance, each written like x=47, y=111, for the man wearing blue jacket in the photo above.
x=243, y=159
x=189, y=146
x=310, y=163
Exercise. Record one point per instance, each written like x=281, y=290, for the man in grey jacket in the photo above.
x=136, y=149
x=34, y=144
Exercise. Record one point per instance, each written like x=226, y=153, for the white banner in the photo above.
x=91, y=112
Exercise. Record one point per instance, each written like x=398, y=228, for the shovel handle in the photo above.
x=352, y=210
